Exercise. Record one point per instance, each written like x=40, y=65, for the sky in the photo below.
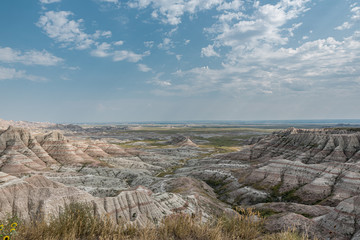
x=174, y=60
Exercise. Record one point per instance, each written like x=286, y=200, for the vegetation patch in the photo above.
x=266, y=212
x=169, y=171
x=77, y=221
x=214, y=183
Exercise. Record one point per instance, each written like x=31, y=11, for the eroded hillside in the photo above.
x=306, y=178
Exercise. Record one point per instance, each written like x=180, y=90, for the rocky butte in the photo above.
x=307, y=178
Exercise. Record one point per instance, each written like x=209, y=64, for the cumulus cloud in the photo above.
x=119, y=43
x=129, y=56
x=106, y=50
x=158, y=82
x=49, y=1
x=313, y=66
x=149, y=44
x=101, y=50
x=355, y=11
x=170, y=12
x=144, y=68
x=32, y=57
x=59, y=26
x=209, y=52
x=166, y=44
x=99, y=33
x=265, y=24
x=345, y=25
x=110, y=1
x=70, y=33
x=234, y=5
x=11, y=73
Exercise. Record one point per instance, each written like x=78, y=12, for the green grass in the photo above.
x=199, y=129
x=224, y=140
x=150, y=143
x=169, y=171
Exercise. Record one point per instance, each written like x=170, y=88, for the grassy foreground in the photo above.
x=77, y=222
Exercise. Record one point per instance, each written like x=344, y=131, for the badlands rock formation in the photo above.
x=304, y=178
x=313, y=167
x=40, y=174
x=33, y=197
x=182, y=141
x=4, y=124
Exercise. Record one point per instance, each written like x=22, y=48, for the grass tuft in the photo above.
x=77, y=222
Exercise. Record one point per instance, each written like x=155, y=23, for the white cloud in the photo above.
x=356, y=13
x=187, y=41
x=11, y=73
x=98, y=33
x=166, y=44
x=57, y=25
x=101, y=50
x=110, y=1
x=149, y=44
x=266, y=24
x=32, y=57
x=119, y=43
x=162, y=83
x=171, y=11
x=345, y=25
x=49, y=1
x=144, y=68
x=178, y=57
x=209, y=52
x=311, y=67
x=129, y=56
x=69, y=33
x=354, y=18
x=106, y=50
x=234, y=5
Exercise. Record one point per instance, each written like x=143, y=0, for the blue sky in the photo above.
x=155, y=60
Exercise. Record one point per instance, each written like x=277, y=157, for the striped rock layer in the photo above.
x=23, y=153
x=316, y=166
x=34, y=197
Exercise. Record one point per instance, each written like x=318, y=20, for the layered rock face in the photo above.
x=4, y=124
x=182, y=141
x=309, y=146
x=40, y=174
x=319, y=164
x=308, y=178
x=312, y=167
x=22, y=152
x=32, y=197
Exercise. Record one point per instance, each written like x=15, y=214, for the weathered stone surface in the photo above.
x=182, y=141
x=344, y=221
x=293, y=168
x=302, y=209
x=34, y=196
x=290, y=221
x=306, y=145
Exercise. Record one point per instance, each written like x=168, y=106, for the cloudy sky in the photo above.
x=153, y=60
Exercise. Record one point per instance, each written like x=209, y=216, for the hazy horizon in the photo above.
x=147, y=60
x=218, y=122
